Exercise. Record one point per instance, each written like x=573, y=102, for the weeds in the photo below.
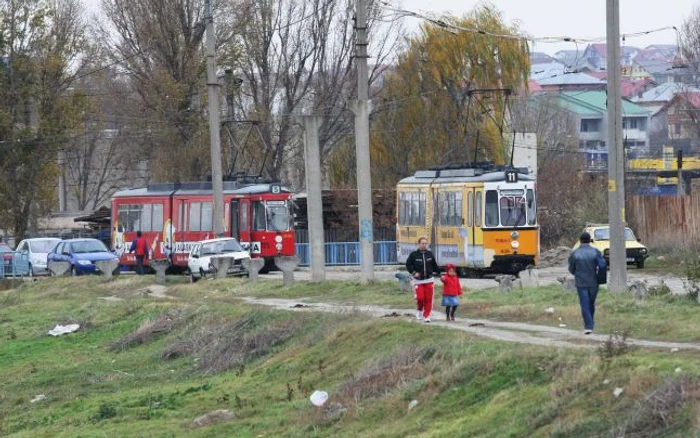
x=151, y=329
x=377, y=380
x=105, y=412
x=656, y=411
x=615, y=346
x=662, y=290
x=229, y=345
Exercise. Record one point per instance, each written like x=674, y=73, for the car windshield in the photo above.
x=604, y=234
x=43, y=246
x=86, y=246
x=220, y=247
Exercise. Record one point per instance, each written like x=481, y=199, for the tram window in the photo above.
x=421, y=205
x=531, y=207
x=130, y=216
x=402, y=208
x=513, y=211
x=259, y=216
x=207, y=215
x=415, y=209
x=244, y=217
x=491, y=208
x=145, y=224
x=444, y=207
x=157, y=223
x=477, y=215
x=470, y=209
x=195, y=216
x=457, y=218
x=277, y=217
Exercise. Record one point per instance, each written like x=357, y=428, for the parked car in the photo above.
x=199, y=261
x=600, y=239
x=81, y=254
x=30, y=257
x=6, y=252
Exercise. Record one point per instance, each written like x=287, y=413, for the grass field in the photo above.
x=144, y=366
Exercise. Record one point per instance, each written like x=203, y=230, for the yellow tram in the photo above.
x=481, y=218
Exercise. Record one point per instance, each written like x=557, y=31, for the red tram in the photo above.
x=174, y=216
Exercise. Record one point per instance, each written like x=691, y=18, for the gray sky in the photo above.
x=574, y=18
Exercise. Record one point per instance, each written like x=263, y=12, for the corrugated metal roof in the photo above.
x=587, y=102
x=664, y=92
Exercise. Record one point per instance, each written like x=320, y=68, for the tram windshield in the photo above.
x=278, y=217
x=510, y=208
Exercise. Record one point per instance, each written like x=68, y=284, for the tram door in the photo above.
x=235, y=222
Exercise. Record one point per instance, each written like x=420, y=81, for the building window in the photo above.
x=584, y=125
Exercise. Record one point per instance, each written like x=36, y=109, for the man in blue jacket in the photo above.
x=588, y=266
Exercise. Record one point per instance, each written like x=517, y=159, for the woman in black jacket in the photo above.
x=422, y=265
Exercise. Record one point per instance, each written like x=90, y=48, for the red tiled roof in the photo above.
x=533, y=86
x=631, y=88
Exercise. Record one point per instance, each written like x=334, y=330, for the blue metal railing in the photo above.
x=18, y=266
x=348, y=253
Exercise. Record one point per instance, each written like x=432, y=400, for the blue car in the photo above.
x=82, y=255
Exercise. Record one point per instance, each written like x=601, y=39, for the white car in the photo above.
x=31, y=254
x=199, y=260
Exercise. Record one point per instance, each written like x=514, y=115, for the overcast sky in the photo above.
x=574, y=18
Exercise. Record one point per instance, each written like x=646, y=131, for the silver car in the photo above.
x=30, y=256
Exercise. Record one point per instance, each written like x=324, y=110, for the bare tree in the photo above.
x=556, y=128
x=158, y=44
x=297, y=56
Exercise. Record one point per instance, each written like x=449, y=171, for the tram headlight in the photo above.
x=278, y=247
x=515, y=244
x=514, y=235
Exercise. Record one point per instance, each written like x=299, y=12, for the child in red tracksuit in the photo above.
x=451, y=291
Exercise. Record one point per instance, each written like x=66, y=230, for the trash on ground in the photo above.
x=319, y=398
x=64, y=329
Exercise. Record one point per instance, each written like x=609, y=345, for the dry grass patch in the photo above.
x=161, y=325
x=379, y=379
x=230, y=345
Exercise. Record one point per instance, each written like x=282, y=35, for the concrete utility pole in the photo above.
x=217, y=183
x=361, y=108
x=616, y=154
x=314, y=203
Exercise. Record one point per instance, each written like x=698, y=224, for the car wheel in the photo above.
x=201, y=273
x=193, y=279
x=30, y=271
x=640, y=265
x=74, y=271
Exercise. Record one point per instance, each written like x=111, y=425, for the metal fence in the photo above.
x=15, y=266
x=348, y=253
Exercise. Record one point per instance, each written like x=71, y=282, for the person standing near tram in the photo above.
x=422, y=265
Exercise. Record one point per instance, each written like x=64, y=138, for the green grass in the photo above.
x=464, y=385
x=671, y=318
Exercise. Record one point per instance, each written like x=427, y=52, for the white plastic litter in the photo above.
x=319, y=398
x=674, y=350
x=549, y=310
x=64, y=329
x=606, y=382
x=37, y=398
x=413, y=404
x=562, y=325
x=678, y=370
x=617, y=392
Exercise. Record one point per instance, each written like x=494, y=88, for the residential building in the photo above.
x=684, y=116
x=590, y=107
x=657, y=101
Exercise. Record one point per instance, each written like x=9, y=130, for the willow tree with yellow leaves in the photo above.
x=432, y=109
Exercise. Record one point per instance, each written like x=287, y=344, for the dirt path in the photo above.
x=501, y=331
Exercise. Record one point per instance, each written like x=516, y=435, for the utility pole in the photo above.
x=616, y=155
x=214, y=125
x=314, y=201
x=364, y=176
